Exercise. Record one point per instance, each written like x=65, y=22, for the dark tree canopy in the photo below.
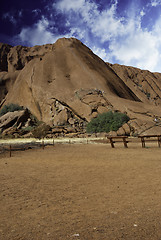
x=106, y=122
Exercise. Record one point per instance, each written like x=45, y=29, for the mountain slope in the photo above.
x=66, y=83
x=146, y=85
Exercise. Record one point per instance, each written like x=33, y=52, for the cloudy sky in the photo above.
x=119, y=31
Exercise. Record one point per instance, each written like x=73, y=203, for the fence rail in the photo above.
x=11, y=147
x=22, y=146
x=126, y=140
x=150, y=138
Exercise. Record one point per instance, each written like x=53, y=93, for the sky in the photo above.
x=126, y=32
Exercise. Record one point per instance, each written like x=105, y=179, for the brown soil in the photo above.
x=81, y=192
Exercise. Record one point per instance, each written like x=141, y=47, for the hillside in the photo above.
x=66, y=84
x=145, y=84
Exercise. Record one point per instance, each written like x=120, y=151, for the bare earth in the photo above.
x=81, y=191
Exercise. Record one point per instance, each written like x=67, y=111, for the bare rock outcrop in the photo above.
x=145, y=84
x=16, y=121
x=19, y=56
x=11, y=118
x=65, y=85
x=68, y=68
x=4, y=51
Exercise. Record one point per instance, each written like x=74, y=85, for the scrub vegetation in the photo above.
x=106, y=122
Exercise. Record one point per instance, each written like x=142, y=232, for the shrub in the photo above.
x=10, y=108
x=41, y=130
x=28, y=129
x=106, y=122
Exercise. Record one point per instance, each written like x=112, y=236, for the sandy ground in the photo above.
x=81, y=191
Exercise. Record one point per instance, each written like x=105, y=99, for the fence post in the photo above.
x=10, y=150
x=143, y=142
x=43, y=144
x=159, y=141
x=125, y=142
x=112, y=142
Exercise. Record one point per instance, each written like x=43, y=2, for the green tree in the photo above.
x=106, y=122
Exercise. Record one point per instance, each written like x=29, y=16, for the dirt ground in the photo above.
x=81, y=191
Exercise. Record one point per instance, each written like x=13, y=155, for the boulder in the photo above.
x=102, y=109
x=112, y=133
x=13, y=118
x=101, y=135
x=71, y=121
x=28, y=135
x=61, y=118
x=127, y=129
x=121, y=132
x=57, y=130
x=8, y=131
x=94, y=115
x=70, y=130
x=71, y=135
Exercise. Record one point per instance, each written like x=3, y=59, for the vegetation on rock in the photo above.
x=17, y=123
x=11, y=107
x=106, y=122
x=41, y=130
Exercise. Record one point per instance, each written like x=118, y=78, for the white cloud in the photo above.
x=102, y=53
x=42, y=33
x=142, y=13
x=123, y=39
x=155, y=3
x=138, y=50
x=128, y=43
x=68, y=5
x=37, y=34
x=103, y=24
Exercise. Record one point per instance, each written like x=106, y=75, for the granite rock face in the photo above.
x=65, y=85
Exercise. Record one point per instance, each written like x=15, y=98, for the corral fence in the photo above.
x=144, y=139
x=14, y=145
x=20, y=144
x=18, y=147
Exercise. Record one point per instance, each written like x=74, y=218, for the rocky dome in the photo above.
x=65, y=83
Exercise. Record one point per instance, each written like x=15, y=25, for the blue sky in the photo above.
x=119, y=31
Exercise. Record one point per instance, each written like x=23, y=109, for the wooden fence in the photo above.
x=110, y=139
x=144, y=139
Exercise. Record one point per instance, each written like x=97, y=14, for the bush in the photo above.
x=10, y=108
x=106, y=122
x=41, y=130
x=28, y=129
